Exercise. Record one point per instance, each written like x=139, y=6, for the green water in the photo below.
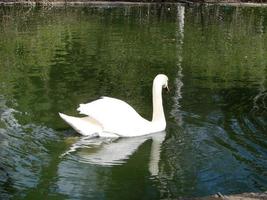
x=52, y=59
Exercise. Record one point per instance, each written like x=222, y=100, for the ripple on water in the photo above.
x=22, y=152
x=213, y=149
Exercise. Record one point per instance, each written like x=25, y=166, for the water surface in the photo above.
x=52, y=59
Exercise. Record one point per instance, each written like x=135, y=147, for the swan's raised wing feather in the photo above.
x=114, y=115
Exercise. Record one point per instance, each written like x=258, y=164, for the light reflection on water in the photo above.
x=53, y=59
x=109, y=152
x=104, y=153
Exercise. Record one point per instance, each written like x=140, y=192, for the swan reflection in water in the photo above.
x=110, y=151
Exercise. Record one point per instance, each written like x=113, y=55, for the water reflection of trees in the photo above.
x=56, y=52
x=224, y=61
x=232, y=47
x=61, y=58
x=52, y=60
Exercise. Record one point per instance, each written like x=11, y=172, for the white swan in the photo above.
x=110, y=117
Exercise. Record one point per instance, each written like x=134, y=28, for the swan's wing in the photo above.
x=115, y=116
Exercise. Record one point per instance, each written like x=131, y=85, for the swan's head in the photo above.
x=162, y=80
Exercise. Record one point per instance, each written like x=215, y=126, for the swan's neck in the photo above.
x=158, y=112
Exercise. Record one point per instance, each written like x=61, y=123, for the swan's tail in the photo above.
x=83, y=125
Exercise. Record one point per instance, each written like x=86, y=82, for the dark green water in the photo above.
x=52, y=59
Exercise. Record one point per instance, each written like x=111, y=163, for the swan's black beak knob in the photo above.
x=167, y=89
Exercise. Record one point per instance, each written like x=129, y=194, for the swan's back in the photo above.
x=116, y=116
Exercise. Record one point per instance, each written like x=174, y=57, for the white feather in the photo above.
x=111, y=117
x=83, y=125
x=116, y=116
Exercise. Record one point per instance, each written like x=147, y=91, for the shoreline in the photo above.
x=242, y=196
x=130, y=3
